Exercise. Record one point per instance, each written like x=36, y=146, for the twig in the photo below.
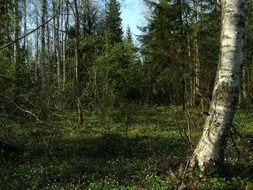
x=239, y=153
x=190, y=123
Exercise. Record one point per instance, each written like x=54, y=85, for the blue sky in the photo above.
x=132, y=14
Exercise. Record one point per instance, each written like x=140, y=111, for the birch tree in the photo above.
x=78, y=65
x=196, y=61
x=56, y=9
x=65, y=38
x=43, y=61
x=17, y=45
x=209, y=153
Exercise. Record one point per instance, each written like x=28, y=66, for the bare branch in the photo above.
x=29, y=112
x=27, y=34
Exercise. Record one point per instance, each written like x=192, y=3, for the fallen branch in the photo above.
x=28, y=112
x=59, y=115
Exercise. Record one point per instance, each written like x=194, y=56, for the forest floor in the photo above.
x=102, y=154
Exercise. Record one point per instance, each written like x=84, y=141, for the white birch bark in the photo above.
x=65, y=39
x=78, y=66
x=208, y=155
x=57, y=51
x=17, y=46
x=43, y=62
x=196, y=85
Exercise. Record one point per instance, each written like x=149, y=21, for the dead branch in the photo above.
x=27, y=34
x=28, y=112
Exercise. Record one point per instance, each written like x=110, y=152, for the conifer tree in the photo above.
x=5, y=7
x=113, y=22
x=129, y=36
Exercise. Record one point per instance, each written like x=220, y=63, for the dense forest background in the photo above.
x=70, y=64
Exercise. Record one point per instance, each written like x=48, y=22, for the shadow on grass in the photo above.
x=88, y=159
x=106, y=161
x=104, y=147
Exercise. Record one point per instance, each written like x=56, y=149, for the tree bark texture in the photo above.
x=44, y=110
x=77, y=67
x=209, y=153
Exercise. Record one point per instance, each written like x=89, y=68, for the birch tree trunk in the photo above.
x=17, y=46
x=196, y=84
x=65, y=38
x=77, y=66
x=25, y=40
x=209, y=153
x=57, y=50
x=37, y=55
x=43, y=62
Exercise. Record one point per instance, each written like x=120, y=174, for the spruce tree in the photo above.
x=113, y=22
x=163, y=51
x=5, y=16
x=129, y=36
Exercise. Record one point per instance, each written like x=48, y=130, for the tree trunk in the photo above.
x=25, y=43
x=65, y=38
x=196, y=62
x=43, y=62
x=37, y=55
x=77, y=67
x=56, y=9
x=182, y=56
x=243, y=93
x=17, y=47
x=191, y=81
x=209, y=153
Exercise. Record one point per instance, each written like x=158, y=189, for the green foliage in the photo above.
x=57, y=155
x=113, y=22
x=5, y=17
x=169, y=54
x=162, y=49
x=122, y=145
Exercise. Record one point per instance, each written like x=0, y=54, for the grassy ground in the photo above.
x=151, y=154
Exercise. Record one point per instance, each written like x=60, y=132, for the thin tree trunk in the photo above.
x=95, y=87
x=65, y=38
x=43, y=62
x=78, y=66
x=17, y=46
x=58, y=50
x=209, y=153
x=57, y=53
x=243, y=93
x=48, y=43
x=196, y=61
x=25, y=43
x=37, y=55
x=182, y=56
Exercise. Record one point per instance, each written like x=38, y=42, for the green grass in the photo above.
x=99, y=155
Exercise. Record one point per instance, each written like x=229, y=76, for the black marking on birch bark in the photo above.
x=241, y=21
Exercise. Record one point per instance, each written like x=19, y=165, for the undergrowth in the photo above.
x=136, y=149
